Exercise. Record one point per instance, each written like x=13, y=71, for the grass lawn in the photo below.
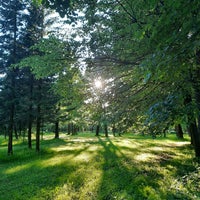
x=98, y=168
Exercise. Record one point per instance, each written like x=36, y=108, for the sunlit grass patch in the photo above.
x=98, y=168
x=145, y=157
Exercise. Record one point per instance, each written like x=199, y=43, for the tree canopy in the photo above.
x=146, y=53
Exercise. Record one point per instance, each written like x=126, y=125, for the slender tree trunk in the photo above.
x=30, y=118
x=10, y=130
x=15, y=129
x=38, y=120
x=38, y=126
x=13, y=86
x=5, y=132
x=179, y=131
x=57, y=129
x=69, y=129
x=106, y=130
x=30, y=131
x=20, y=128
x=12, y=111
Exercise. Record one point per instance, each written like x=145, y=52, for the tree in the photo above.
x=138, y=34
x=12, y=18
x=54, y=59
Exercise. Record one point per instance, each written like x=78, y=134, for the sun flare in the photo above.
x=98, y=83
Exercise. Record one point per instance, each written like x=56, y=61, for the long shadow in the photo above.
x=124, y=178
x=37, y=181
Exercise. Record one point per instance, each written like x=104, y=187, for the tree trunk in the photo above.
x=192, y=125
x=30, y=131
x=12, y=113
x=179, y=131
x=97, y=129
x=38, y=120
x=113, y=130
x=10, y=131
x=5, y=132
x=196, y=86
x=15, y=130
x=38, y=126
x=57, y=129
x=195, y=138
x=12, y=86
x=196, y=134
x=38, y=123
x=30, y=118
x=20, y=128
x=106, y=130
x=69, y=129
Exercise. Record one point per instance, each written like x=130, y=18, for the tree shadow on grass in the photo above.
x=64, y=173
x=125, y=178
x=38, y=177
x=122, y=179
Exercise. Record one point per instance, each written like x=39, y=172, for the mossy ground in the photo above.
x=85, y=167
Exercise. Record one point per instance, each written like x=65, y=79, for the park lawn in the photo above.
x=98, y=168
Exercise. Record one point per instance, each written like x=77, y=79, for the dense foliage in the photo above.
x=146, y=54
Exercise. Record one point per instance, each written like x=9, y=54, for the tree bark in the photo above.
x=10, y=130
x=38, y=126
x=195, y=138
x=30, y=117
x=57, y=129
x=195, y=125
x=196, y=87
x=69, y=129
x=15, y=130
x=113, y=130
x=196, y=134
x=97, y=130
x=38, y=120
x=12, y=86
x=179, y=131
x=30, y=129
x=106, y=130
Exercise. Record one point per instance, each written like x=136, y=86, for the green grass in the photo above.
x=85, y=167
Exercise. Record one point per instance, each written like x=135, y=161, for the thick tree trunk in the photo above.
x=74, y=129
x=195, y=138
x=113, y=130
x=97, y=130
x=196, y=86
x=196, y=134
x=179, y=131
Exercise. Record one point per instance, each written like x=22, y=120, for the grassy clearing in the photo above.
x=97, y=168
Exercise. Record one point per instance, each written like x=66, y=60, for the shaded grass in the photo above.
x=89, y=168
